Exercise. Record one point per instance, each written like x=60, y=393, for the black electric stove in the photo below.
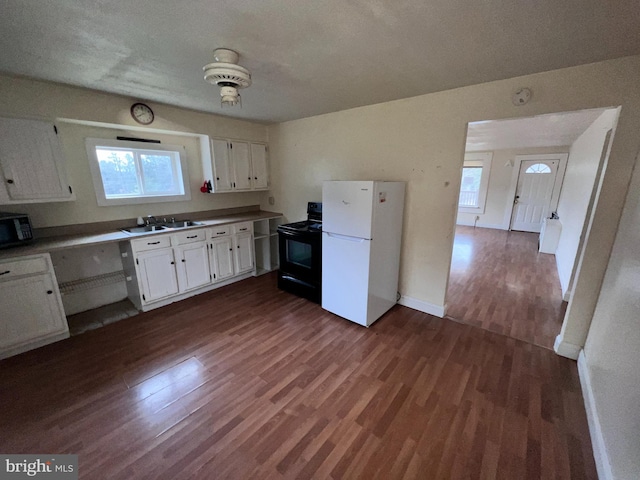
x=300, y=248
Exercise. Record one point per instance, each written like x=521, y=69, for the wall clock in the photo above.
x=142, y=113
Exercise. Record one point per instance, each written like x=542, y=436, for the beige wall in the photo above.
x=421, y=140
x=41, y=100
x=612, y=351
x=577, y=188
x=498, y=207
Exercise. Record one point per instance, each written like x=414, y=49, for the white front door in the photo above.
x=533, y=194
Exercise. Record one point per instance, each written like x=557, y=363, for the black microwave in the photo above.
x=15, y=229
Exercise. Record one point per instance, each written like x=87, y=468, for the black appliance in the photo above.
x=15, y=229
x=300, y=248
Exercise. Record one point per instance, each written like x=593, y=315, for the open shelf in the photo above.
x=265, y=235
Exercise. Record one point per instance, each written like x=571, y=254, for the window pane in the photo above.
x=118, y=170
x=470, y=188
x=158, y=174
x=538, y=168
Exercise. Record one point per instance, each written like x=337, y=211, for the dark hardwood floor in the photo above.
x=501, y=283
x=249, y=382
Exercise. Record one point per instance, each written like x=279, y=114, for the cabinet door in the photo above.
x=223, y=177
x=30, y=309
x=244, y=252
x=193, y=266
x=32, y=162
x=222, y=252
x=157, y=274
x=259, y=166
x=241, y=159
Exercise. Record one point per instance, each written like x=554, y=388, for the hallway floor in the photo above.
x=499, y=282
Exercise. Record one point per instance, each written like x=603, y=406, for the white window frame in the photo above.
x=482, y=160
x=96, y=175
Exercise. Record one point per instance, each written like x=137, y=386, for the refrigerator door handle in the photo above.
x=346, y=237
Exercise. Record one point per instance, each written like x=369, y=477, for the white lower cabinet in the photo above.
x=157, y=274
x=193, y=266
x=167, y=267
x=244, y=252
x=221, y=258
x=32, y=312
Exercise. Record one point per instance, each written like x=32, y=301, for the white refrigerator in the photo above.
x=361, y=236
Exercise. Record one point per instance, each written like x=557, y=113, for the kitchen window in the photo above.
x=126, y=173
x=474, y=183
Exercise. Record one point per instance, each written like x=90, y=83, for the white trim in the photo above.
x=422, y=306
x=468, y=223
x=600, y=455
x=181, y=172
x=484, y=161
x=566, y=349
x=557, y=186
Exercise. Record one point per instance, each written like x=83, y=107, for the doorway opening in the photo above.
x=525, y=175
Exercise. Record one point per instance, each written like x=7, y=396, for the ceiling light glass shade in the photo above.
x=229, y=96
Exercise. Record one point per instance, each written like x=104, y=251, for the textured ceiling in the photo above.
x=554, y=130
x=307, y=57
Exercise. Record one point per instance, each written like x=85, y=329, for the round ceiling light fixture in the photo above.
x=228, y=75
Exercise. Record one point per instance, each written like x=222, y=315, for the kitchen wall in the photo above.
x=612, y=351
x=496, y=214
x=421, y=140
x=579, y=181
x=26, y=98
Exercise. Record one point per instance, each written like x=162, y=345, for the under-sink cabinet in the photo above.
x=168, y=267
x=32, y=312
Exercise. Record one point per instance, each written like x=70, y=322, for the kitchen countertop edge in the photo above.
x=52, y=244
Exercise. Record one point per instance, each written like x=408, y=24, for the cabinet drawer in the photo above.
x=189, y=237
x=26, y=266
x=242, y=227
x=151, y=243
x=221, y=231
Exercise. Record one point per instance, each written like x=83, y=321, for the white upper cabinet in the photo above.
x=241, y=160
x=237, y=166
x=31, y=163
x=223, y=179
x=259, y=166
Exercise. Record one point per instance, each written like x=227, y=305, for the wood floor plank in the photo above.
x=500, y=282
x=251, y=382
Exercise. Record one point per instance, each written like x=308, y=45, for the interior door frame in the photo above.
x=557, y=185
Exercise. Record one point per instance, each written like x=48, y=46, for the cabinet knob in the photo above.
x=9, y=181
x=238, y=246
x=217, y=178
x=173, y=263
x=5, y=272
x=231, y=249
x=183, y=260
x=49, y=292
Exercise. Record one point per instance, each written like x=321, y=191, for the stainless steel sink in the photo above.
x=182, y=224
x=144, y=229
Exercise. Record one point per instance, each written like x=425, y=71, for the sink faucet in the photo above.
x=155, y=220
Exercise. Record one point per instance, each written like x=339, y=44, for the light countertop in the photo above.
x=50, y=244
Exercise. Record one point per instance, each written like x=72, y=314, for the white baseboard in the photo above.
x=495, y=226
x=566, y=349
x=597, y=440
x=422, y=306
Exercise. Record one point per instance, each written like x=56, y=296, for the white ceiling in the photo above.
x=307, y=57
x=554, y=130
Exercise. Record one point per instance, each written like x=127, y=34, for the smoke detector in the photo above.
x=228, y=75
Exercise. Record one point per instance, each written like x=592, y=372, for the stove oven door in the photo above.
x=301, y=263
